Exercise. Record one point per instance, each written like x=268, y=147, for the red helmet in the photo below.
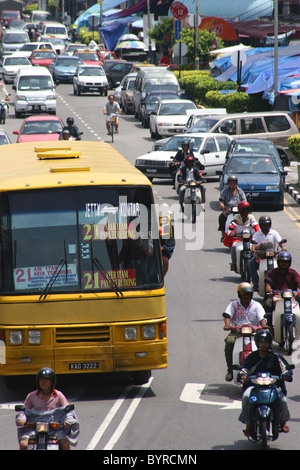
x=244, y=206
x=189, y=158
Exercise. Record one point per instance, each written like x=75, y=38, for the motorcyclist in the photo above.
x=45, y=398
x=283, y=277
x=179, y=157
x=238, y=312
x=74, y=131
x=187, y=172
x=4, y=97
x=280, y=278
x=167, y=249
x=264, y=238
x=230, y=197
x=244, y=220
x=265, y=360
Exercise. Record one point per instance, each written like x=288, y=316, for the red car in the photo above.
x=39, y=128
x=42, y=57
x=88, y=57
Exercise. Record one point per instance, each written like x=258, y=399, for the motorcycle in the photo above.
x=264, y=406
x=243, y=255
x=286, y=319
x=192, y=200
x=43, y=426
x=231, y=212
x=3, y=111
x=243, y=346
x=267, y=261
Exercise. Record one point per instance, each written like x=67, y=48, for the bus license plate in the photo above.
x=83, y=365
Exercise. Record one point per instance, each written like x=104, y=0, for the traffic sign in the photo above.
x=180, y=49
x=177, y=29
x=179, y=10
x=192, y=20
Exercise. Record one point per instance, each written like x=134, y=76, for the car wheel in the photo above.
x=74, y=91
x=78, y=92
x=17, y=114
x=110, y=84
x=152, y=134
x=126, y=110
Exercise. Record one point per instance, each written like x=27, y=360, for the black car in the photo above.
x=148, y=104
x=115, y=70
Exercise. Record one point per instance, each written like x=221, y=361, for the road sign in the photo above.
x=177, y=29
x=192, y=20
x=180, y=49
x=179, y=10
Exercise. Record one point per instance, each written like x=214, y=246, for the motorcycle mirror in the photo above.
x=284, y=240
x=290, y=366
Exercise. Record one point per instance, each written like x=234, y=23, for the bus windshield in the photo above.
x=78, y=240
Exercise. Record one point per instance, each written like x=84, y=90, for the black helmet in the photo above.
x=70, y=121
x=232, y=178
x=244, y=288
x=46, y=373
x=284, y=256
x=263, y=335
x=185, y=142
x=265, y=220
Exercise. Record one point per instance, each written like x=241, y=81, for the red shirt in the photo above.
x=281, y=281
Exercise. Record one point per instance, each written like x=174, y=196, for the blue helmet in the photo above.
x=284, y=256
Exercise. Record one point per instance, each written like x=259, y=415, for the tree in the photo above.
x=162, y=33
x=205, y=39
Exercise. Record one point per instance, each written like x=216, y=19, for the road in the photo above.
x=188, y=406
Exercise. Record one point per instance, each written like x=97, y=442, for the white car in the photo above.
x=90, y=79
x=210, y=149
x=169, y=117
x=11, y=65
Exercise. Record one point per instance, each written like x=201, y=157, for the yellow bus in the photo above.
x=81, y=284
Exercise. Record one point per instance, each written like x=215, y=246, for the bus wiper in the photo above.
x=63, y=262
x=107, y=276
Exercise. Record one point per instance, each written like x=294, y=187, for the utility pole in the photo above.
x=196, y=36
x=149, y=27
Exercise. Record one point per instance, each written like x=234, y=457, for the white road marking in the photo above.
x=192, y=394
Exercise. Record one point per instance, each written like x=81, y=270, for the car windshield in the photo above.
x=16, y=61
x=256, y=147
x=15, y=38
x=174, y=144
x=41, y=127
x=175, y=109
x=64, y=62
x=242, y=165
x=153, y=99
x=203, y=125
x=87, y=56
x=92, y=71
x=35, y=83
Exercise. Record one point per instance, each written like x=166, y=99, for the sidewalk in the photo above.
x=291, y=181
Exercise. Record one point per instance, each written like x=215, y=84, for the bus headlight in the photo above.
x=149, y=331
x=15, y=337
x=130, y=333
x=34, y=337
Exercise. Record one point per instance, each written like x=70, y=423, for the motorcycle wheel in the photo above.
x=263, y=430
x=245, y=271
x=289, y=338
x=194, y=212
x=3, y=117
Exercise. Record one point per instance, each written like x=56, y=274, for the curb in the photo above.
x=293, y=192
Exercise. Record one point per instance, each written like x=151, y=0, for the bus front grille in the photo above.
x=83, y=334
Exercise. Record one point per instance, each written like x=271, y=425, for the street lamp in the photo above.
x=149, y=27
x=196, y=36
x=275, y=48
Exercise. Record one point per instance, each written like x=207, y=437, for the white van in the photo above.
x=40, y=15
x=34, y=91
x=53, y=29
x=152, y=79
x=12, y=40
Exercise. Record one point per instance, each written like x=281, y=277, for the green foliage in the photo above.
x=294, y=145
x=29, y=8
x=205, y=39
x=165, y=26
x=85, y=36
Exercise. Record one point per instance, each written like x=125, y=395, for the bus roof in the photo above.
x=36, y=165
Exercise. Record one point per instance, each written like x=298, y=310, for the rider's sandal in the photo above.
x=284, y=428
x=247, y=432
x=108, y=133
